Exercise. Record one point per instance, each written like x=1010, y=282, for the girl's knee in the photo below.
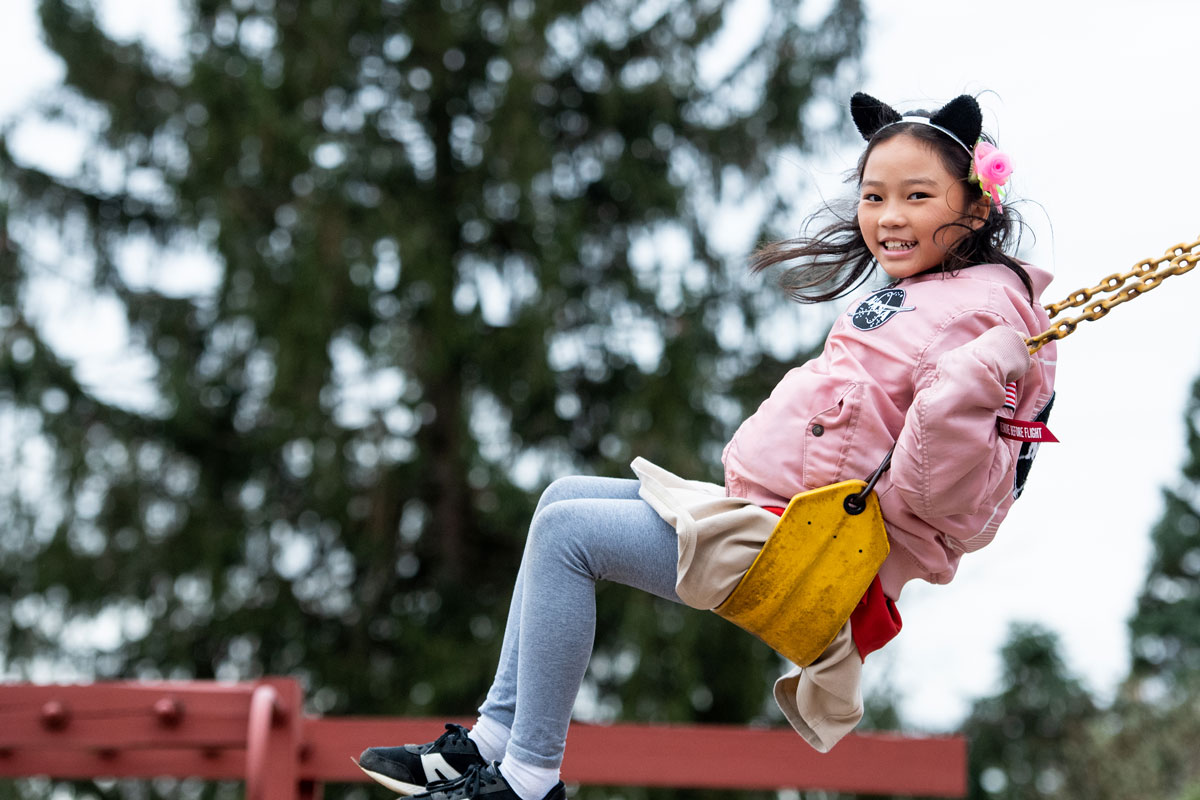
x=566, y=488
x=557, y=532
x=557, y=490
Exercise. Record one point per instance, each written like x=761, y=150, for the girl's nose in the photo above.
x=892, y=216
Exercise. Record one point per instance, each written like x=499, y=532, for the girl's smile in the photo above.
x=909, y=205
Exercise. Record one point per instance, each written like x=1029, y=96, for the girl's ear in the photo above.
x=870, y=114
x=962, y=117
x=979, y=212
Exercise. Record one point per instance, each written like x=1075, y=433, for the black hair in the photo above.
x=836, y=260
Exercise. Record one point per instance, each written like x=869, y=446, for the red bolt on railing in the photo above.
x=55, y=716
x=169, y=712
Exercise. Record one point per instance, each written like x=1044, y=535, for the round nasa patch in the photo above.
x=878, y=308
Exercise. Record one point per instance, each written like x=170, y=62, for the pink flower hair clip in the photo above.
x=990, y=168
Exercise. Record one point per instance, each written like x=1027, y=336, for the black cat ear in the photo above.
x=962, y=117
x=870, y=114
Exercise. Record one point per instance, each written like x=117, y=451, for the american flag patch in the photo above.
x=1010, y=395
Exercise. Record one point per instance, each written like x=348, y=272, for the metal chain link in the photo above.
x=1146, y=274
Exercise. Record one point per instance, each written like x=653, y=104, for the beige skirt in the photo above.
x=719, y=537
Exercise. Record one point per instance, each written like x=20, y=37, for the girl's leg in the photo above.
x=572, y=544
x=501, y=703
x=584, y=529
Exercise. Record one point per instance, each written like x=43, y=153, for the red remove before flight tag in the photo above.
x=1024, y=430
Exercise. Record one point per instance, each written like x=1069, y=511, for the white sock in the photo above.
x=491, y=737
x=528, y=781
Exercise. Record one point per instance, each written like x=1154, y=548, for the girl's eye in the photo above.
x=918, y=196
x=872, y=198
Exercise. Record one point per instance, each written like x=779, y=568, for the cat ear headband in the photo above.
x=961, y=120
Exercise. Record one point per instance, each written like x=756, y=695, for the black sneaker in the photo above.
x=482, y=782
x=410, y=768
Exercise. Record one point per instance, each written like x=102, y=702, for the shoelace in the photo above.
x=438, y=786
x=469, y=783
x=453, y=735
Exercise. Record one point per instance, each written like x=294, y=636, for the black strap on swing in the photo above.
x=857, y=502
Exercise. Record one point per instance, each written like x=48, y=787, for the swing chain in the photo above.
x=1147, y=274
x=857, y=503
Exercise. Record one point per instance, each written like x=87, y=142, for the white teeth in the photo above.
x=891, y=244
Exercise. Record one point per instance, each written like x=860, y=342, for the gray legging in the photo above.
x=583, y=530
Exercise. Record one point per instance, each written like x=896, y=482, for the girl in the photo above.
x=924, y=368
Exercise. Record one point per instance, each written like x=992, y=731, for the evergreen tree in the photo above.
x=1164, y=634
x=1024, y=741
x=458, y=250
x=1144, y=749
x=1155, y=721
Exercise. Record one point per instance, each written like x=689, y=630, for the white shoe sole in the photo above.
x=399, y=787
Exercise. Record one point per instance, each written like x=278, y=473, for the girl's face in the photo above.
x=905, y=199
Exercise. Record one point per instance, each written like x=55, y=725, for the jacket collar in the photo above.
x=999, y=273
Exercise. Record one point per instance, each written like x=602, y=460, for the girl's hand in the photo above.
x=1006, y=348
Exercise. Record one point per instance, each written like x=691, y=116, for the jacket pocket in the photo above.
x=829, y=437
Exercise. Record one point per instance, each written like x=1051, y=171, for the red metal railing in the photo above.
x=257, y=732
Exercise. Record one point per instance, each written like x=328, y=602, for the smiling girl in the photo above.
x=925, y=365
x=923, y=368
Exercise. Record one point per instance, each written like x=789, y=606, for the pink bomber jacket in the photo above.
x=923, y=364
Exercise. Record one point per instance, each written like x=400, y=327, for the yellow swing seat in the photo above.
x=814, y=568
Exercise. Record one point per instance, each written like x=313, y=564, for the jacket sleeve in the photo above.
x=949, y=457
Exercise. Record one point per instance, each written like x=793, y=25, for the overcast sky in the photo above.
x=1096, y=104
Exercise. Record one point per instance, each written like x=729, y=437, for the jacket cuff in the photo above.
x=1012, y=354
